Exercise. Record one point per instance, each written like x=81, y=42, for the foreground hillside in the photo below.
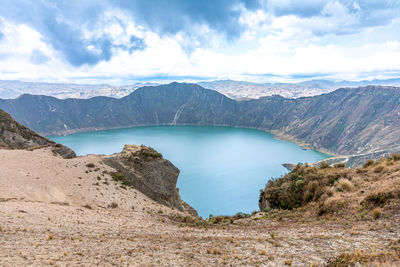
x=347, y=122
x=55, y=211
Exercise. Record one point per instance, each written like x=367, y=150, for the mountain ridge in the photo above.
x=348, y=121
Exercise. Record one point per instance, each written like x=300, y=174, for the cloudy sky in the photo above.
x=123, y=41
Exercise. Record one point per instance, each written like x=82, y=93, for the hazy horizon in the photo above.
x=168, y=81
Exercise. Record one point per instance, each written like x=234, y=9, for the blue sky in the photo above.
x=121, y=41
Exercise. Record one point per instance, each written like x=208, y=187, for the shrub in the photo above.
x=299, y=187
x=288, y=262
x=378, y=169
x=368, y=163
x=126, y=182
x=339, y=165
x=188, y=219
x=332, y=205
x=376, y=213
x=394, y=157
x=324, y=165
x=379, y=198
x=216, y=219
x=216, y=251
x=90, y=165
x=149, y=152
x=346, y=185
x=113, y=205
x=240, y=215
x=389, y=163
x=117, y=176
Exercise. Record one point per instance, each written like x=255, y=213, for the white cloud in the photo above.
x=285, y=46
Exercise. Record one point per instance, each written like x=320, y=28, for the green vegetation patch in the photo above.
x=301, y=186
x=148, y=152
x=119, y=176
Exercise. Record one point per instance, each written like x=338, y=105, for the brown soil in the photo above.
x=52, y=212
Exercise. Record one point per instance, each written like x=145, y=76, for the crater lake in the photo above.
x=222, y=168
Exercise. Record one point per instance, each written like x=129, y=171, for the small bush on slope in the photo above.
x=302, y=185
x=337, y=190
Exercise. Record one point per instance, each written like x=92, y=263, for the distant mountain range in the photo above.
x=233, y=89
x=13, y=89
x=344, y=122
x=248, y=90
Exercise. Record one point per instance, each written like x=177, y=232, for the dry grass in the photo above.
x=361, y=258
x=326, y=190
x=345, y=185
x=368, y=163
x=377, y=213
x=379, y=169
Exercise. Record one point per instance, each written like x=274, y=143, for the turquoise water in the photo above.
x=222, y=168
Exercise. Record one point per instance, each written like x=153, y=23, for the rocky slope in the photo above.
x=16, y=136
x=344, y=122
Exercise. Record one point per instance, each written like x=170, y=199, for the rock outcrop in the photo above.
x=146, y=170
x=16, y=136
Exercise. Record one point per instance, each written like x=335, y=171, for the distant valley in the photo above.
x=363, y=120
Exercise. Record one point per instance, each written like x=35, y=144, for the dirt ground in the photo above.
x=64, y=213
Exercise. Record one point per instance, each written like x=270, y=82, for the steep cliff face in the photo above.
x=345, y=122
x=147, y=171
x=16, y=136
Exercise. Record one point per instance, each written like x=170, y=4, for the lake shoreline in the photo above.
x=275, y=134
